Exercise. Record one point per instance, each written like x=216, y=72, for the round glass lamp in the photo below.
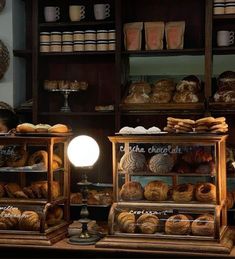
x=83, y=152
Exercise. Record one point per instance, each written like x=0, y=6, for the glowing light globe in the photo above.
x=83, y=151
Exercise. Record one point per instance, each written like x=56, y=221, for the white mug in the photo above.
x=225, y=38
x=101, y=11
x=51, y=13
x=76, y=12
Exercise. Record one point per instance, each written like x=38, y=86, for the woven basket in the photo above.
x=2, y=4
x=4, y=59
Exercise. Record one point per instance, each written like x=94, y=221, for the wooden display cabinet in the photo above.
x=183, y=149
x=49, y=188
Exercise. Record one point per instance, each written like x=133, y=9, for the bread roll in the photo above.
x=25, y=128
x=148, y=223
x=160, y=97
x=41, y=187
x=29, y=221
x=54, y=216
x=140, y=87
x=133, y=161
x=126, y=222
x=137, y=98
x=156, y=191
x=11, y=189
x=132, y=191
x=76, y=198
x=165, y=85
x=185, y=97
x=58, y=128
x=161, y=163
x=42, y=127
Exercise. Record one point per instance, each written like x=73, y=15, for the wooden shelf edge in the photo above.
x=223, y=50
x=223, y=16
x=78, y=53
x=77, y=113
x=24, y=53
x=221, y=106
x=80, y=23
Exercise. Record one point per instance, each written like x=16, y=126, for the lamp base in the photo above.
x=91, y=240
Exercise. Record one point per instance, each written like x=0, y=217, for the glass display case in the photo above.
x=172, y=188
x=34, y=189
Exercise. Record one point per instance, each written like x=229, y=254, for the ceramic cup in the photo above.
x=101, y=11
x=76, y=12
x=51, y=13
x=225, y=38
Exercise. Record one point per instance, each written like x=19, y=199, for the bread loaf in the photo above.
x=132, y=191
x=160, y=97
x=54, y=216
x=161, y=163
x=156, y=191
x=133, y=161
x=148, y=223
x=185, y=97
x=9, y=218
x=29, y=221
x=140, y=87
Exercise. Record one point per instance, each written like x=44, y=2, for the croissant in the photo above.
x=126, y=222
x=148, y=223
x=9, y=218
x=29, y=221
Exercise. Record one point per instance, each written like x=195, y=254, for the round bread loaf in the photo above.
x=25, y=128
x=178, y=225
x=156, y=191
x=203, y=225
x=42, y=127
x=39, y=156
x=132, y=191
x=166, y=85
x=58, y=128
x=161, y=163
x=140, y=87
x=148, y=223
x=29, y=221
x=133, y=161
x=137, y=98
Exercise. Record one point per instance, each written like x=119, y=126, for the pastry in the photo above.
x=57, y=162
x=58, y=128
x=206, y=168
x=147, y=223
x=29, y=221
x=131, y=191
x=9, y=218
x=188, y=86
x=39, y=157
x=93, y=197
x=133, y=161
x=140, y=87
x=156, y=191
x=42, y=127
x=230, y=200
x=166, y=85
x=185, y=97
x=197, y=156
x=160, y=97
x=76, y=198
x=183, y=192
x=126, y=222
x=40, y=189
x=137, y=98
x=161, y=163
x=25, y=128
x=203, y=225
x=54, y=216
x=205, y=192
x=11, y=189
x=29, y=192
x=18, y=158
x=178, y=225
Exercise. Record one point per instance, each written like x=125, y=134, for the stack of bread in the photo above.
x=226, y=87
x=37, y=190
x=65, y=84
x=211, y=125
x=42, y=128
x=187, y=90
x=178, y=125
x=162, y=91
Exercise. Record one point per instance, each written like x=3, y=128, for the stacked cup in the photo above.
x=55, y=44
x=219, y=7
x=112, y=39
x=78, y=40
x=229, y=6
x=45, y=41
x=67, y=41
x=90, y=40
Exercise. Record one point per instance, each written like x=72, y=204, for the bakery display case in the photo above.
x=169, y=193
x=34, y=193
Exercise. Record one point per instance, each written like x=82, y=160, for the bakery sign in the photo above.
x=158, y=149
x=151, y=212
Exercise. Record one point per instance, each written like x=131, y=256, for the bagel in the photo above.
x=58, y=128
x=18, y=158
x=183, y=193
x=39, y=156
x=203, y=225
x=25, y=128
x=178, y=225
x=205, y=192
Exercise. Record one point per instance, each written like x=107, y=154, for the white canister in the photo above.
x=55, y=47
x=112, y=34
x=78, y=46
x=67, y=46
x=44, y=47
x=78, y=36
x=45, y=37
x=90, y=35
x=219, y=8
x=67, y=36
x=102, y=35
x=56, y=36
x=112, y=44
x=230, y=7
x=90, y=45
x=102, y=45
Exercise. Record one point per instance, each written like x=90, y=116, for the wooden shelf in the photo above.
x=23, y=53
x=223, y=16
x=79, y=53
x=30, y=201
x=76, y=113
x=224, y=50
x=165, y=52
x=75, y=24
x=149, y=174
x=222, y=107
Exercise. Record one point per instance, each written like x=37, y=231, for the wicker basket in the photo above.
x=4, y=59
x=2, y=4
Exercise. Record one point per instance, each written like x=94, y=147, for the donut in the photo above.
x=54, y=216
x=132, y=191
x=25, y=128
x=161, y=163
x=58, y=128
x=183, y=192
x=133, y=161
x=203, y=225
x=39, y=156
x=178, y=225
x=42, y=127
x=18, y=158
x=205, y=192
x=156, y=191
x=148, y=223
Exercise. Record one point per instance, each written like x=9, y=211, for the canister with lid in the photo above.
x=55, y=36
x=78, y=36
x=67, y=46
x=90, y=35
x=102, y=45
x=78, y=46
x=67, y=36
x=111, y=34
x=55, y=46
x=44, y=47
x=90, y=45
x=102, y=35
x=45, y=37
